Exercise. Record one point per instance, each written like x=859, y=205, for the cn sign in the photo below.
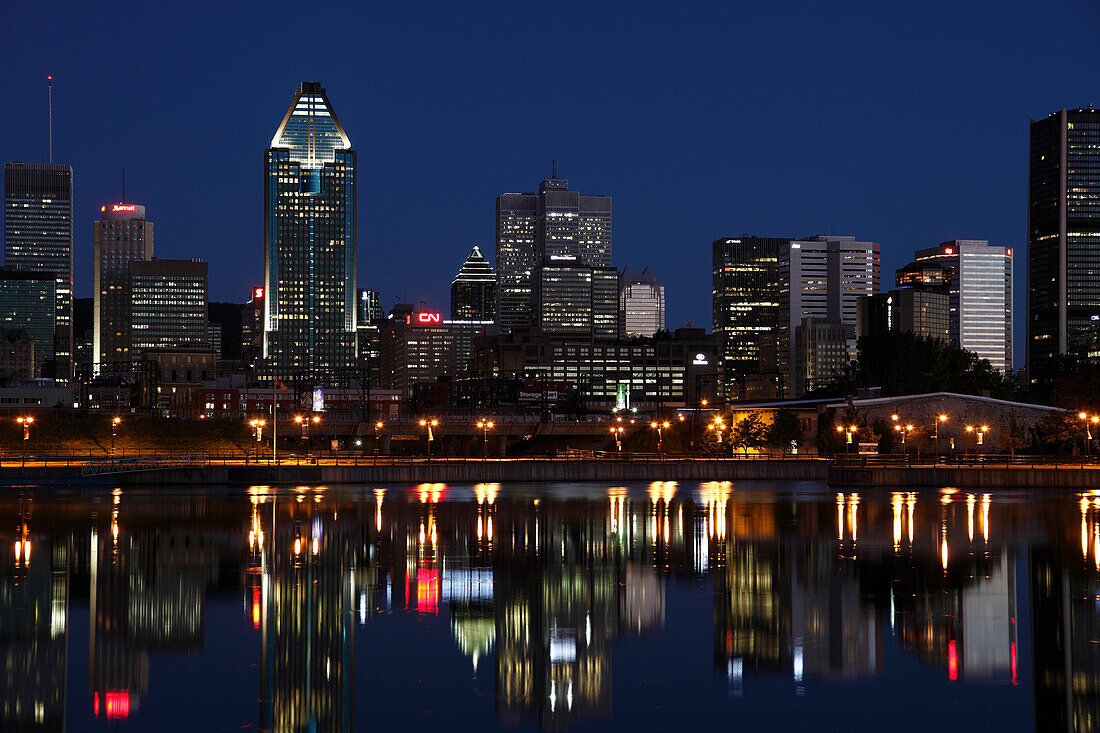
x=427, y=319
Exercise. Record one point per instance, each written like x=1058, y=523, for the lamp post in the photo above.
x=304, y=422
x=718, y=426
x=26, y=423
x=659, y=426
x=258, y=428
x=979, y=432
x=849, y=433
x=486, y=426
x=941, y=418
x=428, y=425
x=377, y=436
x=904, y=430
x=617, y=433
x=1085, y=419
x=114, y=431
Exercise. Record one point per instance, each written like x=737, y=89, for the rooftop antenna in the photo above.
x=554, y=168
x=123, y=185
x=49, y=91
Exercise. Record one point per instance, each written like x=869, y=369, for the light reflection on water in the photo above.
x=574, y=606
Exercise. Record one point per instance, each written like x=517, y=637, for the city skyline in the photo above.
x=941, y=186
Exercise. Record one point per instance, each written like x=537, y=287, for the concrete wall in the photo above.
x=1014, y=477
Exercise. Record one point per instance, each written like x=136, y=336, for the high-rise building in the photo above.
x=252, y=318
x=577, y=300
x=1063, y=240
x=555, y=227
x=167, y=305
x=745, y=298
x=821, y=354
x=28, y=301
x=309, y=238
x=38, y=237
x=369, y=308
x=474, y=290
x=822, y=278
x=121, y=235
x=980, y=296
x=641, y=304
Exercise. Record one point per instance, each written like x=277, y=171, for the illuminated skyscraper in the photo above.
x=641, y=304
x=980, y=296
x=745, y=298
x=38, y=237
x=1063, y=267
x=121, y=236
x=309, y=241
x=167, y=305
x=474, y=290
x=556, y=228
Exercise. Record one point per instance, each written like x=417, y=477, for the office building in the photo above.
x=980, y=296
x=415, y=346
x=474, y=290
x=555, y=227
x=745, y=299
x=38, y=237
x=370, y=307
x=252, y=320
x=167, y=305
x=577, y=300
x=16, y=354
x=309, y=242
x=641, y=304
x=28, y=301
x=121, y=235
x=1063, y=240
x=821, y=354
x=822, y=278
x=918, y=305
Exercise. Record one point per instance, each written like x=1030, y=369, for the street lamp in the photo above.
x=304, y=421
x=114, y=431
x=617, y=431
x=658, y=426
x=718, y=426
x=377, y=436
x=904, y=430
x=428, y=425
x=1085, y=419
x=849, y=433
x=486, y=426
x=939, y=419
x=980, y=433
x=258, y=428
x=26, y=423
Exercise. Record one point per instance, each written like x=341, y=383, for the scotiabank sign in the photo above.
x=424, y=318
x=257, y=293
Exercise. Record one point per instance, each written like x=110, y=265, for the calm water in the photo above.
x=581, y=606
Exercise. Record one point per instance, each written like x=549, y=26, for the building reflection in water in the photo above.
x=537, y=590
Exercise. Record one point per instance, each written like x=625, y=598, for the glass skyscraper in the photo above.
x=38, y=237
x=979, y=296
x=28, y=301
x=1063, y=239
x=309, y=243
x=168, y=305
x=745, y=298
x=474, y=290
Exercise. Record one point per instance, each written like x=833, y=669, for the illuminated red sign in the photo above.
x=427, y=591
x=1008, y=252
x=123, y=207
x=429, y=318
x=948, y=251
x=257, y=293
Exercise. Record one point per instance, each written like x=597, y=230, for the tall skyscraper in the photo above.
x=557, y=228
x=121, y=236
x=38, y=237
x=474, y=290
x=745, y=298
x=980, y=296
x=1063, y=239
x=577, y=300
x=28, y=301
x=309, y=242
x=167, y=305
x=821, y=278
x=641, y=304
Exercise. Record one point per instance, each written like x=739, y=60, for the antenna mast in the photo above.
x=49, y=88
x=123, y=185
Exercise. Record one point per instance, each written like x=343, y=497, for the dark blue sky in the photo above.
x=905, y=123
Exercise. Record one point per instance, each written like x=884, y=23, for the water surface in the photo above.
x=759, y=606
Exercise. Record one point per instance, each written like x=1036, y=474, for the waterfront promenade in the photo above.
x=987, y=472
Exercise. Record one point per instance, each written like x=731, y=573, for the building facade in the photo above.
x=577, y=300
x=38, y=237
x=1063, y=267
x=168, y=305
x=16, y=354
x=309, y=238
x=641, y=304
x=822, y=278
x=556, y=228
x=821, y=354
x=980, y=296
x=28, y=301
x=121, y=235
x=415, y=346
x=474, y=290
x=745, y=299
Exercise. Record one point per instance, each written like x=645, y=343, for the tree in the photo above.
x=785, y=431
x=1015, y=438
x=750, y=432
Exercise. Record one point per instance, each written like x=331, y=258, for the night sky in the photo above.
x=905, y=123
